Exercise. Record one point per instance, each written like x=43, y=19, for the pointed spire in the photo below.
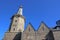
x=20, y=11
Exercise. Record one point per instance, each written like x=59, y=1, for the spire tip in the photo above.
x=21, y=6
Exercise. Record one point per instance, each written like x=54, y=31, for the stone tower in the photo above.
x=16, y=26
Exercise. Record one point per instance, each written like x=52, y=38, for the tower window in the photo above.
x=15, y=25
x=14, y=29
x=15, y=20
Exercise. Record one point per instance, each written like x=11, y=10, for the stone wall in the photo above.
x=12, y=36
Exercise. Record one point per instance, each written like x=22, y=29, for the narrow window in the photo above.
x=14, y=29
x=43, y=28
x=15, y=20
x=29, y=29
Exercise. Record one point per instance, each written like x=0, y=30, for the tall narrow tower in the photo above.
x=16, y=26
x=17, y=21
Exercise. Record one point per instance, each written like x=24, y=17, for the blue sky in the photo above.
x=34, y=11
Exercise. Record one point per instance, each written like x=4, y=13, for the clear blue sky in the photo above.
x=35, y=11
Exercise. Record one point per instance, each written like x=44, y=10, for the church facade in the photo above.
x=16, y=30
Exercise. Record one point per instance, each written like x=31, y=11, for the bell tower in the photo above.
x=17, y=21
x=16, y=27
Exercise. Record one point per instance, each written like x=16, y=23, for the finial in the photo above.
x=21, y=6
x=20, y=11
